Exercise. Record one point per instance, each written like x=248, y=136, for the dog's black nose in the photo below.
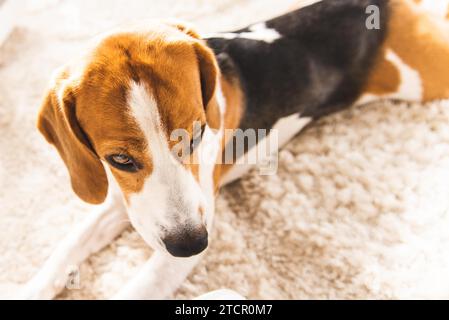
x=186, y=243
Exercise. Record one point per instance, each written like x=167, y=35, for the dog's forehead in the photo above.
x=167, y=69
x=151, y=56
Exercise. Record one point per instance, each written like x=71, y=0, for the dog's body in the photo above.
x=110, y=116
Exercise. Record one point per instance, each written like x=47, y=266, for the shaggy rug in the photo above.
x=358, y=209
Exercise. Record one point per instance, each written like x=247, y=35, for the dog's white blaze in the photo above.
x=170, y=186
x=285, y=128
x=258, y=31
x=410, y=89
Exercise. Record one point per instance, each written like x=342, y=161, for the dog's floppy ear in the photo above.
x=57, y=121
x=209, y=72
x=209, y=78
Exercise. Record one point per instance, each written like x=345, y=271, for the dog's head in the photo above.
x=117, y=110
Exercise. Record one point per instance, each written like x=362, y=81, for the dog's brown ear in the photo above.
x=209, y=72
x=209, y=79
x=57, y=121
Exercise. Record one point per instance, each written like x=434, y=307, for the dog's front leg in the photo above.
x=161, y=275
x=100, y=228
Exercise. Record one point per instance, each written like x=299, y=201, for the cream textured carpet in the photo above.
x=359, y=208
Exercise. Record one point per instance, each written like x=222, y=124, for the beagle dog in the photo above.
x=111, y=116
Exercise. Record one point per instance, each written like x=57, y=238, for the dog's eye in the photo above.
x=123, y=162
x=121, y=159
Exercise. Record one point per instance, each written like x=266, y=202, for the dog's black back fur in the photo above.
x=318, y=66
